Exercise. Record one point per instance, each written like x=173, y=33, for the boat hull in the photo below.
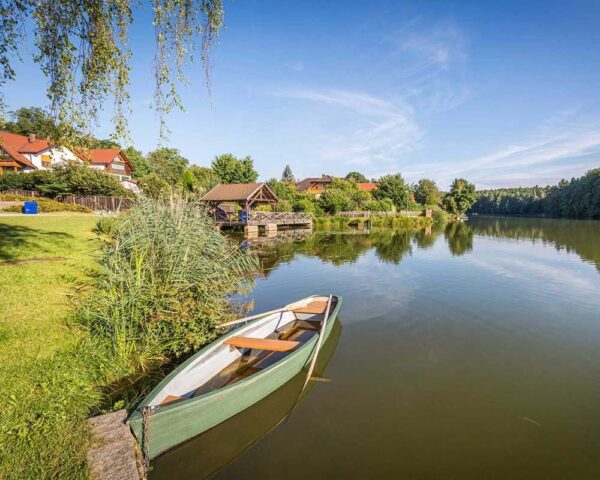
x=172, y=425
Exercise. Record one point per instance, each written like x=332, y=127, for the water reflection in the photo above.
x=206, y=454
x=392, y=246
x=579, y=236
x=459, y=237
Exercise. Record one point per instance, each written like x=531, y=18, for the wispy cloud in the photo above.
x=556, y=150
x=438, y=46
x=380, y=128
x=297, y=66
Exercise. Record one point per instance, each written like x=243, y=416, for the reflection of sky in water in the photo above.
x=470, y=353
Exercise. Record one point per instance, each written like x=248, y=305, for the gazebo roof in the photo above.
x=240, y=192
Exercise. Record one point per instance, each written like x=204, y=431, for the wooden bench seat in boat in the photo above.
x=315, y=307
x=262, y=344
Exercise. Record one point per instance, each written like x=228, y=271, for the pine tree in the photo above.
x=287, y=175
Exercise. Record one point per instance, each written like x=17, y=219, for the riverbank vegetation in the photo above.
x=165, y=274
x=83, y=318
x=577, y=198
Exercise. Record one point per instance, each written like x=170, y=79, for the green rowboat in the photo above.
x=233, y=373
x=206, y=454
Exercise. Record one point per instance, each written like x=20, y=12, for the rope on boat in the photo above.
x=146, y=414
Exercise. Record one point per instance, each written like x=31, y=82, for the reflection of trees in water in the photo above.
x=392, y=245
x=427, y=237
x=579, y=236
x=338, y=248
x=459, y=237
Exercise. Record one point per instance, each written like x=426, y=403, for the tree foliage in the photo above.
x=82, y=49
x=287, y=175
x=26, y=120
x=65, y=178
x=357, y=177
x=168, y=163
x=138, y=161
x=231, y=169
x=395, y=188
x=577, y=198
x=460, y=197
x=427, y=192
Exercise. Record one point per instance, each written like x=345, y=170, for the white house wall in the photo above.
x=57, y=155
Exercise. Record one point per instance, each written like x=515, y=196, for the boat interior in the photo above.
x=255, y=347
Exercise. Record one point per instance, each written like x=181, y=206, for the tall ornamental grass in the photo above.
x=164, y=281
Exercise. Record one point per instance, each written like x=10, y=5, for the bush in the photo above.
x=45, y=205
x=283, y=206
x=383, y=205
x=438, y=215
x=65, y=178
x=165, y=278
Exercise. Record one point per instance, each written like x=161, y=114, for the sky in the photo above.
x=500, y=93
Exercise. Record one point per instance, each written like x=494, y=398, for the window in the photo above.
x=118, y=166
x=46, y=161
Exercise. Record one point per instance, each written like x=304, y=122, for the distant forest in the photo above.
x=577, y=198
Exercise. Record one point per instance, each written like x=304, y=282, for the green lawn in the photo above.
x=47, y=382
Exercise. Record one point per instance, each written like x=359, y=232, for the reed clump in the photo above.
x=164, y=279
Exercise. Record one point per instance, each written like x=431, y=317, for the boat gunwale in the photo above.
x=136, y=414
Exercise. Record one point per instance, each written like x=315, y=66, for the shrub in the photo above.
x=45, y=205
x=383, y=205
x=65, y=178
x=165, y=278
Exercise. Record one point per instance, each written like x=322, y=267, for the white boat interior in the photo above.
x=255, y=346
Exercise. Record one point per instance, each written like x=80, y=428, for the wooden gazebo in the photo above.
x=246, y=195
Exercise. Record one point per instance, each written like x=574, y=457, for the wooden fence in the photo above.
x=21, y=193
x=279, y=218
x=369, y=214
x=98, y=202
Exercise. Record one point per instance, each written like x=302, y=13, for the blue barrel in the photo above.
x=243, y=216
x=30, y=208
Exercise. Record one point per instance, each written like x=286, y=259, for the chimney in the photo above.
x=31, y=137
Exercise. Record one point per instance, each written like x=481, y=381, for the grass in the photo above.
x=47, y=381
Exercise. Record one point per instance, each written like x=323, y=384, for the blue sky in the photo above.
x=501, y=93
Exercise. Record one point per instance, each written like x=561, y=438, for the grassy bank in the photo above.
x=340, y=223
x=47, y=382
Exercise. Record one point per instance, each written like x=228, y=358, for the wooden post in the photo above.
x=251, y=230
x=270, y=229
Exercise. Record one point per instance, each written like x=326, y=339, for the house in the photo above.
x=315, y=186
x=366, y=187
x=112, y=161
x=318, y=185
x=25, y=153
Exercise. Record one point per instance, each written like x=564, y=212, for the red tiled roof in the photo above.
x=15, y=145
x=366, y=187
x=100, y=155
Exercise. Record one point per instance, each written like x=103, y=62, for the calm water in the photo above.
x=467, y=352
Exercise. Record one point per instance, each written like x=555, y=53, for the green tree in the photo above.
x=205, y=177
x=35, y=120
x=154, y=186
x=357, y=177
x=83, y=51
x=427, y=192
x=188, y=181
x=140, y=165
x=168, y=164
x=287, y=175
x=231, y=169
x=395, y=188
x=460, y=197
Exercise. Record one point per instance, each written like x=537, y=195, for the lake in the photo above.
x=467, y=351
